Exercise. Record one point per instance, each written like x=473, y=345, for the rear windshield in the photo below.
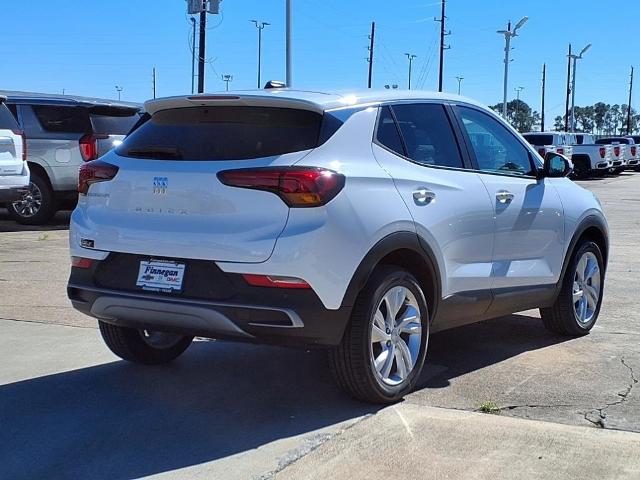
x=113, y=121
x=539, y=139
x=7, y=122
x=77, y=119
x=224, y=133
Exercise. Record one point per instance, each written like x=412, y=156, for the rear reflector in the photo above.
x=603, y=152
x=560, y=151
x=81, y=262
x=94, y=172
x=275, y=281
x=296, y=186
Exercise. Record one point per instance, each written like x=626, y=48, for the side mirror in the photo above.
x=556, y=165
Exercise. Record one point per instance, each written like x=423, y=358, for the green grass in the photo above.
x=489, y=407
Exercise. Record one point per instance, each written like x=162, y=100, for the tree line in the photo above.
x=600, y=118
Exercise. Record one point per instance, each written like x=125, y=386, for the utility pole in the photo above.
x=227, y=79
x=629, y=108
x=566, y=108
x=573, y=86
x=515, y=117
x=544, y=85
x=202, y=46
x=153, y=76
x=193, y=57
x=443, y=47
x=119, y=90
x=371, y=38
x=508, y=34
x=410, y=57
x=260, y=26
x=288, y=39
x=459, y=82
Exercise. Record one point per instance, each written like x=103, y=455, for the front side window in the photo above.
x=497, y=150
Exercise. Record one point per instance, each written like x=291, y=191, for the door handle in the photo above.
x=504, y=196
x=423, y=196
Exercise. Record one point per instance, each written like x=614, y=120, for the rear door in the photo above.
x=449, y=203
x=166, y=198
x=529, y=234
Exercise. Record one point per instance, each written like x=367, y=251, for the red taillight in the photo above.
x=616, y=151
x=560, y=151
x=81, y=262
x=633, y=151
x=542, y=152
x=24, y=143
x=603, y=152
x=296, y=186
x=89, y=146
x=94, y=172
x=275, y=281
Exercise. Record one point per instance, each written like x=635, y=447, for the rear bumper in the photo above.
x=255, y=314
x=633, y=163
x=11, y=194
x=602, y=165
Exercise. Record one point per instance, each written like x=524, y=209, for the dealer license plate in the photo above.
x=160, y=275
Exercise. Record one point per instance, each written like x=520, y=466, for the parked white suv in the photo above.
x=360, y=222
x=14, y=172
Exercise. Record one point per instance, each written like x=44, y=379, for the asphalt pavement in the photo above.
x=567, y=408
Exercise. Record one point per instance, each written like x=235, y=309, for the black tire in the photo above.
x=47, y=208
x=561, y=317
x=351, y=361
x=581, y=169
x=130, y=344
x=618, y=171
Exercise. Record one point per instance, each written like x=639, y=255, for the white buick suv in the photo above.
x=360, y=222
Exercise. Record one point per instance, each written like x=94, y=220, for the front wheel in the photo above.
x=143, y=346
x=577, y=307
x=384, y=347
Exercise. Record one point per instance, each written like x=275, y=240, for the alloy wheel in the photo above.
x=30, y=203
x=586, y=288
x=396, y=334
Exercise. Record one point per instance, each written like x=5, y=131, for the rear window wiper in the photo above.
x=158, y=153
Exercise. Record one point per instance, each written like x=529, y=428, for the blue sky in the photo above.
x=88, y=47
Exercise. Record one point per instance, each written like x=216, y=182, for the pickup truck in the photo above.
x=590, y=159
x=556, y=142
x=636, y=138
x=628, y=151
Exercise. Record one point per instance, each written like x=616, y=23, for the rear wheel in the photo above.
x=577, y=307
x=384, y=347
x=143, y=346
x=37, y=206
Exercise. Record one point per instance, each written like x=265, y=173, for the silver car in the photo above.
x=63, y=132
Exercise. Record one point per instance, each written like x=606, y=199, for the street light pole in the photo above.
x=508, y=34
x=410, y=57
x=193, y=57
x=575, y=59
x=227, y=79
x=459, y=82
x=288, y=61
x=119, y=90
x=518, y=90
x=260, y=26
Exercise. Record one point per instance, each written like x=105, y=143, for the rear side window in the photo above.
x=387, y=133
x=63, y=119
x=7, y=122
x=223, y=133
x=427, y=134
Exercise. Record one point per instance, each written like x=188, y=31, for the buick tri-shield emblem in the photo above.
x=160, y=185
